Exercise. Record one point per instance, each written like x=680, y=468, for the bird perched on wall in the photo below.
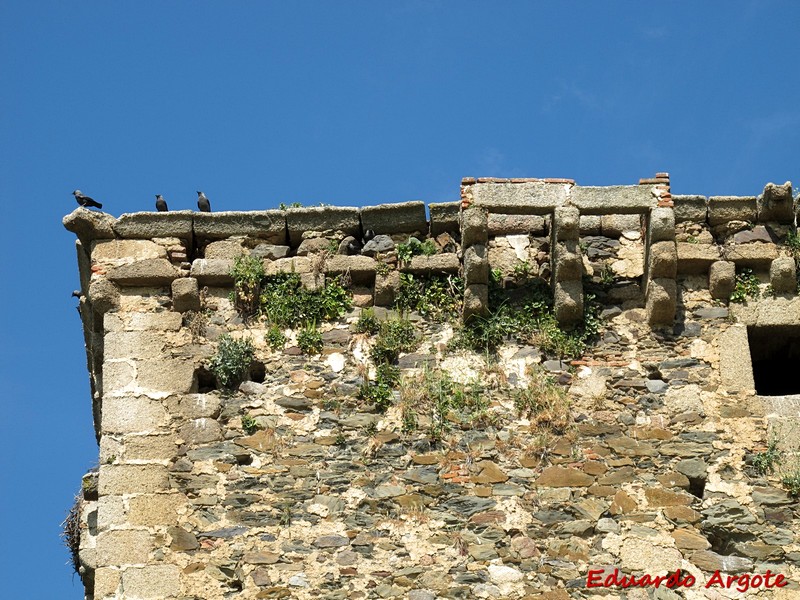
x=368, y=235
x=202, y=202
x=85, y=201
x=161, y=204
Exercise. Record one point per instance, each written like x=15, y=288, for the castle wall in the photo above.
x=637, y=454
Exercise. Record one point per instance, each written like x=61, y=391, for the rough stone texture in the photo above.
x=502, y=224
x=226, y=249
x=756, y=255
x=530, y=198
x=568, y=264
x=155, y=582
x=591, y=224
x=103, y=295
x=403, y=217
x=267, y=225
x=337, y=220
x=474, y=228
x=438, y=263
x=722, y=209
x=736, y=371
x=185, y=294
x=360, y=268
x=721, y=279
x=111, y=253
x=147, y=225
x=695, y=259
x=782, y=275
x=212, y=271
x=661, y=302
x=568, y=302
x=476, y=265
x=294, y=264
x=662, y=260
x=151, y=271
x=386, y=288
x=566, y=223
x=625, y=199
x=444, y=217
x=476, y=301
x=89, y=225
x=775, y=203
x=615, y=225
x=690, y=208
x=661, y=225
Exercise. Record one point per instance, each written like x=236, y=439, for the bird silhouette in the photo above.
x=161, y=204
x=202, y=202
x=85, y=201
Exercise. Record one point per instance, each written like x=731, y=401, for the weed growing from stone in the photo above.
x=544, y=403
x=395, y=336
x=745, y=286
x=766, y=461
x=247, y=273
x=378, y=393
x=275, y=338
x=405, y=252
x=792, y=483
x=232, y=361
x=286, y=303
x=367, y=322
x=530, y=320
x=309, y=339
x=249, y=424
x=434, y=393
x=438, y=297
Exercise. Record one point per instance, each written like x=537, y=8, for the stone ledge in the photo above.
x=402, y=217
x=148, y=225
x=266, y=224
x=340, y=219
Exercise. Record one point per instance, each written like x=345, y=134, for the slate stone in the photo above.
x=711, y=312
x=332, y=541
x=468, y=505
x=225, y=533
x=656, y=386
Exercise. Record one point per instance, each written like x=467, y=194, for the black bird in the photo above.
x=76, y=294
x=202, y=202
x=368, y=235
x=161, y=204
x=85, y=201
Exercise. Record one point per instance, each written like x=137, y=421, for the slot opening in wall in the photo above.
x=775, y=355
x=204, y=380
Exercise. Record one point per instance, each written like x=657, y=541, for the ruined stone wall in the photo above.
x=294, y=486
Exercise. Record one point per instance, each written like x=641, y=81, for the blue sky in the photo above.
x=347, y=103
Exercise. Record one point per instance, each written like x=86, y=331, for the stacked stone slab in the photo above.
x=661, y=266
x=567, y=273
x=474, y=237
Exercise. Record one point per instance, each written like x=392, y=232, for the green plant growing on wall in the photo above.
x=249, y=424
x=791, y=481
x=232, y=361
x=286, y=303
x=367, y=322
x=247, y=273
x=766, y=461
x=438, y=297
x=412, y=248
x=530, y=320
x=395, y=336
x=745, y=286
x=544, y=403
x=276, y=339
x=309, y=339
x=434, y=393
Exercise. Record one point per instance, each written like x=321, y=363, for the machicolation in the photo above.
x=498, y=397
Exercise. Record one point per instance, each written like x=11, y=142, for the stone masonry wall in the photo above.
x=292, y=486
